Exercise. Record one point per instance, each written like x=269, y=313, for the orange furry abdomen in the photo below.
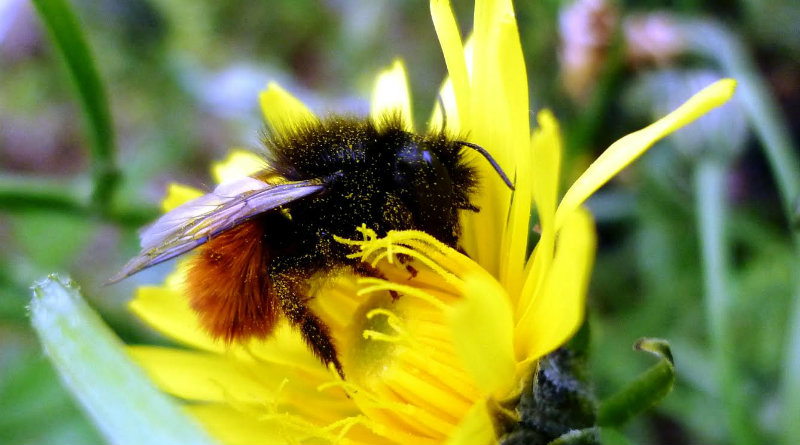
x=228, y=285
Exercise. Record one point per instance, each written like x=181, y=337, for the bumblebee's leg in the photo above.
x=289, y=281
x=398, y=217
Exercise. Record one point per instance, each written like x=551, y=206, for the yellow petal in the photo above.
x=230, y=425
x=546, y=172
x=236, y=378
x=515, y=83
x=489, y=127
x=492, y=126
x=546, y=167
x=239, y=163
x=487, y=94
x=390, y=96
x=167, y=311
x=285, y=348
x=453, y=51
x=556, y=312
x=630, y=147
x=514, y=77
x=178, y=194
x=283, y=111
x=475, y=428
x=483, y=335
x=205, y=376
x=336, y=303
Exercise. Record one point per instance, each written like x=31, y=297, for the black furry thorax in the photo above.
x=382, y=176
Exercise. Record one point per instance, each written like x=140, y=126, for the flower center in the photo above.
x=402, y=369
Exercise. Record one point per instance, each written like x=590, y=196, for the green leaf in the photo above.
x=92, y=363
x=645, y=391
x=29, y=392
x=67, y=34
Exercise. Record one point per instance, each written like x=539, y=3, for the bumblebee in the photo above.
x=259, y=239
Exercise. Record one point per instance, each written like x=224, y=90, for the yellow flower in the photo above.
x=446, y=361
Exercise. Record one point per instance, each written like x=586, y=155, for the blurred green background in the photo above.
x=698, y=240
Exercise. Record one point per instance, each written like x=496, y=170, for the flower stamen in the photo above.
x=401, y=337
x=376, y=285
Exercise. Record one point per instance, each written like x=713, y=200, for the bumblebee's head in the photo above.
x=435, y=182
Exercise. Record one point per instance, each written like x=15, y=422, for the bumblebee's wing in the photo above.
x=195, y=222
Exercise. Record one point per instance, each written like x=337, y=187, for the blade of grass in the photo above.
x=66, y=33
x=92, y=363
x=717, y=43
x=712, y=212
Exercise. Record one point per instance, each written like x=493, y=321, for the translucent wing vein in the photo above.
x=195, y=222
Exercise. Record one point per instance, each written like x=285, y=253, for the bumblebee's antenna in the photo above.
x=491, y=160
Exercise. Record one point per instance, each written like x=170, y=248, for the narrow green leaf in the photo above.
x=67, y=34
x=93, y=365
x=645, y=391
x=713, y=213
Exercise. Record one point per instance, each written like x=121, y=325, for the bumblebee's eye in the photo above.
x=425, y=185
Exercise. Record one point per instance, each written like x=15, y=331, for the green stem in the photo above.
x=712, y=212
x=25, y=194
x=67, y=34
x=31, y=193
x=790, y=380
x=719, y=44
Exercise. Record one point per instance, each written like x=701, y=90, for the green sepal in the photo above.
x=559, y=407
